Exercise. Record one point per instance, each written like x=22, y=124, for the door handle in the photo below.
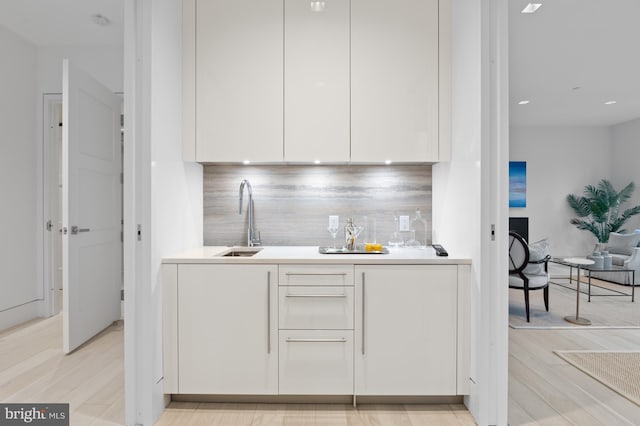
x=75, y=230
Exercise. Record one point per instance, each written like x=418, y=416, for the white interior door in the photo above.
x=91, y=215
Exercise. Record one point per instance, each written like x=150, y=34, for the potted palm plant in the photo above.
x=599, y=210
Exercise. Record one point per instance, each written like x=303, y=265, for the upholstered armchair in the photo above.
x=528, y=267
x=625, y=251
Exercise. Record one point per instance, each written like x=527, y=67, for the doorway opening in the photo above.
x=52, y=202
x=52, y=190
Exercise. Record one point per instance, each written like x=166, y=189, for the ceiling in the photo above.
x=590, y=44
x=64, y=22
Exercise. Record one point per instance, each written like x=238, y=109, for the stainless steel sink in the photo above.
x=240, y=252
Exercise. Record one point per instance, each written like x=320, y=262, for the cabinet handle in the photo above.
x=268, y=312
x=341, y=340
x=320, y=275
x=316, y=295
x=363, y=307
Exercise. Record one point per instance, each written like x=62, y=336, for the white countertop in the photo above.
x=310, y=254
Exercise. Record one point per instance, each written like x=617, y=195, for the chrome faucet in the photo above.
x=252, y=240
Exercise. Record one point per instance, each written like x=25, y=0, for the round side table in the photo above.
x=578, y=262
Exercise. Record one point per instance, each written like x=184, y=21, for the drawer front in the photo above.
x=316, y=275
x=316, y=362
x=316, y=307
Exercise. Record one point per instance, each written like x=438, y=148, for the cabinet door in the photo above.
x=394, y=80
x=239, y=105
x=316, y=81
x=227, y=329
x=406, y=330
x=316, y=362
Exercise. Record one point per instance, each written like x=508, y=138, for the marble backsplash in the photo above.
x=292, y=203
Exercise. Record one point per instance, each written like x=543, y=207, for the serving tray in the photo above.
x=331, y=250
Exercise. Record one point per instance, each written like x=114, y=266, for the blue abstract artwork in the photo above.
x=517, y=184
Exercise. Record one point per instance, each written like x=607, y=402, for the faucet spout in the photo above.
x=252, y=240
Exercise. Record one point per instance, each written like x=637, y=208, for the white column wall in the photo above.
x=465, y=202
x=625, y=140
x=18, y=175
x=176, y=186
x=560, y=161
x=164, y=194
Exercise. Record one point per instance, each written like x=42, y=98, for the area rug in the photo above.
x=603, y=311
x=617, y=370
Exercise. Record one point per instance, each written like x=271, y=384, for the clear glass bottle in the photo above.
x=419, y=230
x=350, y=235
x=396, y=239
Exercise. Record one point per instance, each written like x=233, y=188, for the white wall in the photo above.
x=104, y=63
x=560, y=161
x=163, y=183
x=18, y=171
x=464, y=194
x=176, y=186
x=625, y=139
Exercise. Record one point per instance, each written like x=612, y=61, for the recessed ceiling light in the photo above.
x=317, y=6
x=610, y=102
x=387, y=162
x=316, y=162
x=100, y=20
x=531, y=8
x=245, y=162
x=523, y=102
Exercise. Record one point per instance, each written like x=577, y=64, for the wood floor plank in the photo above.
x=544, y=390
x=538, y=377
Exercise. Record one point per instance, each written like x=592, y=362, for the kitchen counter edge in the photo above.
x=310, y=255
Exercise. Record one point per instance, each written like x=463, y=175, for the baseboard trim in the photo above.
x=13, y=316
x=317, y=399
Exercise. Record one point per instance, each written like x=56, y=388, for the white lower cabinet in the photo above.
x=316, y=362
x=258, y=329
x=227, y=329
x=406, y=330
x=316, y=329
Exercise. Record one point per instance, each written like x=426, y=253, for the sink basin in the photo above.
x=240, y=252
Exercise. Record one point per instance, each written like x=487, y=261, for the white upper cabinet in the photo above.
x=272, y=81
x=395, y=93
x=316, y=81
x=238, y=80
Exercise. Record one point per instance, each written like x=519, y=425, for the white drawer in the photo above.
x=316, y=362
x=316, y=275
x=315, y=307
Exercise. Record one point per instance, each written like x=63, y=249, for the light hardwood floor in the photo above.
x=543, y=388
x=184, y=413
x=34, y=369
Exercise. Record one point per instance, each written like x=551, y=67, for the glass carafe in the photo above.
x=418, y=230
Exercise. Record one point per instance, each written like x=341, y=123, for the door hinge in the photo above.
x=49, y=225
x=122, y=178
x=493, y=232
x=121, y=236
x=139, y=232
